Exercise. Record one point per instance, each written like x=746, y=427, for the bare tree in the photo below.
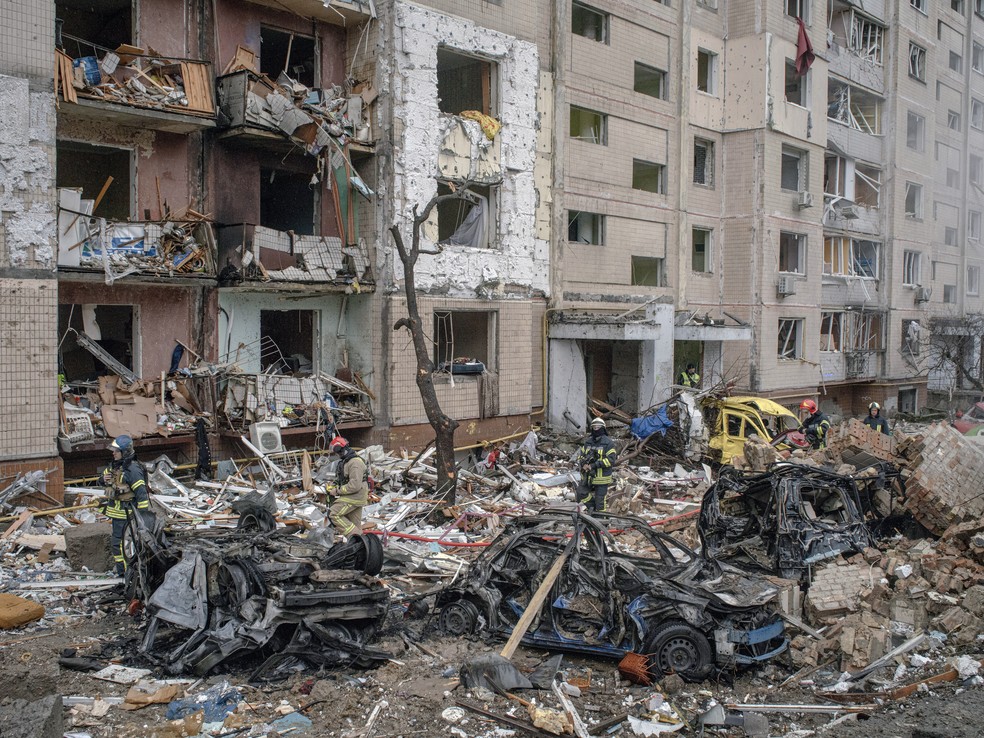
x=443, y=425
x=955, y=349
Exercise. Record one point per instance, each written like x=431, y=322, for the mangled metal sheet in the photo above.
x=783, y=520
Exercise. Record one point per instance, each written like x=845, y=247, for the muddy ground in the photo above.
x=418, y=687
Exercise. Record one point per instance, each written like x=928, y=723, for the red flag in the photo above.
x=804, y=50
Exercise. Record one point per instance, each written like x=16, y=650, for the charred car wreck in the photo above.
x=252, y=596
x=640, y=591
x=785, y=519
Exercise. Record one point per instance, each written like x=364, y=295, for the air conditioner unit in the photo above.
x=850, y=212
x=786, y=286
x=923, y=294
x=805, y=200
x=265, y=435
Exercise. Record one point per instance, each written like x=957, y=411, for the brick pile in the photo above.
x=944, y=477
x=854, y=437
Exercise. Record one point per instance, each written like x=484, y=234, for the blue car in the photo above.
x=623, y=588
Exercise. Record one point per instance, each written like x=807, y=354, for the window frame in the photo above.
x=711, y=75
x=973, y=284
x=974, y=223
x=589, y=9
x=800, y=246
x=660, y=74
x=955, y=59
x=953, y=120
x=598, y=229
x=920, y=121
x=801, y=9
x=794, y=328
x=977, y=57
x=802, y=168
x=659, y=171
x=602, y=139
x=640, y=263
x=917, y=64
x=491, y=358
x=911, y=268
x=919, y=5
x=975, y=170
x=708, y=169
x=708, y=249
x=917, y=212
x=977, y=114
x=802, y=83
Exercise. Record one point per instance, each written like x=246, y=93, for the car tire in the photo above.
x=677, y=648
x=459, y=618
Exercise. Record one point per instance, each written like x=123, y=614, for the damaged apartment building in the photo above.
x=786, y=192
x=197, y=207
x=200, y=195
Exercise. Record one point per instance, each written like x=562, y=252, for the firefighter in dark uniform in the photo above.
x=875, y=421
x=352, y=488
x=596, y=460
x=689, y=377
x=816, y=426
x=126, y=489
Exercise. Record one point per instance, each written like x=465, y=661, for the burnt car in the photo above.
x=257, y=596
x=785, y=519
x=638, y=591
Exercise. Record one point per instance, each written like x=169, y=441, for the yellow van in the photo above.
x=731, y=420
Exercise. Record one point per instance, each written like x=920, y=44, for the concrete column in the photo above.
x=656, y=358
x=568, y=385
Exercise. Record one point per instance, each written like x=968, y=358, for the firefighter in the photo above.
x=596, y=460
x=689, y=376
x=816, y=425
x=126, y=490
x=352, y=489
x=875, y=421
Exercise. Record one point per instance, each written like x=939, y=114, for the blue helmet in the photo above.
x=123, y=444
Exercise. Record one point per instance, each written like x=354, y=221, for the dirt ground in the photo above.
x=418, y=687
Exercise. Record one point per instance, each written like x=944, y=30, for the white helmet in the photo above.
x=598, y=423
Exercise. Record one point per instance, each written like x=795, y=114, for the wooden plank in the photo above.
x=37, y=542
x=24, y=517
x=45, y=552
x=533, y=608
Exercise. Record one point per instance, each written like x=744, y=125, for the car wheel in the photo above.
x=678, y=648
x=459, y=618
x=256, y=520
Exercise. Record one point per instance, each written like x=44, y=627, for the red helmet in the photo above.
x=338, y=444
x=809, y=405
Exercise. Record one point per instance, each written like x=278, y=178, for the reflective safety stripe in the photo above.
x=138, y=483
x=143, y=505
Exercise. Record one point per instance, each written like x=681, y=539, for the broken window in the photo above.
x=979, y=7
x=974, y=225
x=287, y=341
x=956, y=62
x=790, y=338
x=105, y=23
x=867, y=185
x=706, y=71
x=467, y=222
x=795, y=85
x=949, y=293
x=977, y=58
x=588, y=125
x=913, y=200
x=465, y=83
x=863, y=332
x=917, y=61
x=797, y=8
x=835, y=176
x=287, y=201
x=847, y=257
x=113, y=327
x=910, y=337
x=794, y=174
x=866, y=38
x=648, y=176
x=88, y=167
x=950, y=235
x=585, y=227
x=700, y=252
x=907, y=401
x=648, y=271
x=953, y=120
x=957, y=6
x=915, y=131
x=919, y=5
x=703, y=162
x=792, y=253
x=466, y=339
x=589, y=23
x=976, y=169
x=854, y=107
x=650, y=81
x=973, y=280
x=911, y=262
x=977, y=114
x=292, y=53
x=830, y=331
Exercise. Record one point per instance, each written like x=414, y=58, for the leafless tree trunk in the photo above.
x=443, y=425
x=954, y=340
